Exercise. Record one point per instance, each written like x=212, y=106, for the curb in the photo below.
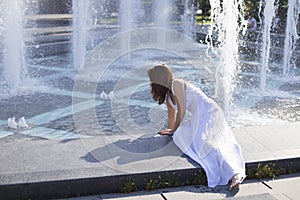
x=130, y=182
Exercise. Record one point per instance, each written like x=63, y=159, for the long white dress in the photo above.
x=207, y=138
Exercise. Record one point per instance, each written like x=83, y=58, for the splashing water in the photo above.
x=269, y=14
x=130, y=14
x=80, y=31
x=12, y=43
x=162, y=13
x=291, y=35
x=225, y=18
x=162, y=17
x=226, y=24
x=188, y=19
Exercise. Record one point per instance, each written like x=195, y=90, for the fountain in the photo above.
x=162, y=13
x=269, y=14
x=224, y=24
x=188, y=19
x=228, y=73
x=130, y=15
x=12, y=44
x=267, y=94
x=80, y=31
x=291, y=35
x=220, y=63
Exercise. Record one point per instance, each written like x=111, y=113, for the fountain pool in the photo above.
x=62, y=101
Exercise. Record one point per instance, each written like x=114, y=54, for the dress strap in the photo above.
x=172, y=87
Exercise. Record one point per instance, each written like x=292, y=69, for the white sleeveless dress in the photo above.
x=207, y=138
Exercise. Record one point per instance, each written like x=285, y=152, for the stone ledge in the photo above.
x=114, y=184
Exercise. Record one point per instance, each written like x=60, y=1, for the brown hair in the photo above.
x=161, y=78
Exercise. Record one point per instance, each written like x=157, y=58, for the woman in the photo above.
x=206, y=139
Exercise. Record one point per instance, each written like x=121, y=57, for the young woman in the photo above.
x=206, y=138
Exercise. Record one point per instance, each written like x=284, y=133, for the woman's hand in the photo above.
x=166, y=132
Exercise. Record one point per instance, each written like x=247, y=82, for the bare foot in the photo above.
x=168, y=132
x=236, y=180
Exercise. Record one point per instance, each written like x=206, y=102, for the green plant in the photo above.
x=173, y=180
x=128, y=186
x=268, y=171
x=169, y=181
x=151, y=185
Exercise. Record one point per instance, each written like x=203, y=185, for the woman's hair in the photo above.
x=161, y=78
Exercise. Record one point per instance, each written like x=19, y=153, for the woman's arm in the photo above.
x=171, y=119
x=171, y=115
x=174, y=120
x=179, y=92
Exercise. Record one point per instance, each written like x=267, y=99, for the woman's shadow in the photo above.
x=143, y=148
x=127, y=151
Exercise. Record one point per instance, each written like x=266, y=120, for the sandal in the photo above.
x=236, y=181
x=168, y=134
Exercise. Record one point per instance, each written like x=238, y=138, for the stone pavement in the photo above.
x=282, y=188
x=37, y=168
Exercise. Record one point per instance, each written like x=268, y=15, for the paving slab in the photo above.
x=246, y=189
x=135, y=197
x=287, y=187
x=283, y=187
x=145, y=196
x=104, y=161
x=256, y=197
x=252, y=149
x=192, y=193
x=270, y=142
x=63, y=157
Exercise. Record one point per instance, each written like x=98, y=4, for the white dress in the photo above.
x=207, y=138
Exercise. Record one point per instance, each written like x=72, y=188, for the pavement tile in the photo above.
x=287, y=186
x=13, y=156
x=256, y=197
x=134, y=196
x=252, y=149
x=281, y=197
x=246, y=189
x=262, y=143
x=282, y=138
x=192, y=193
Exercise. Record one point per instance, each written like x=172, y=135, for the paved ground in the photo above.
x=35, y=158
x=282, y=188
x=60, y=163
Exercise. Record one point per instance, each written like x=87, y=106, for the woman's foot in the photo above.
x=236, y=180
x=168, y=132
